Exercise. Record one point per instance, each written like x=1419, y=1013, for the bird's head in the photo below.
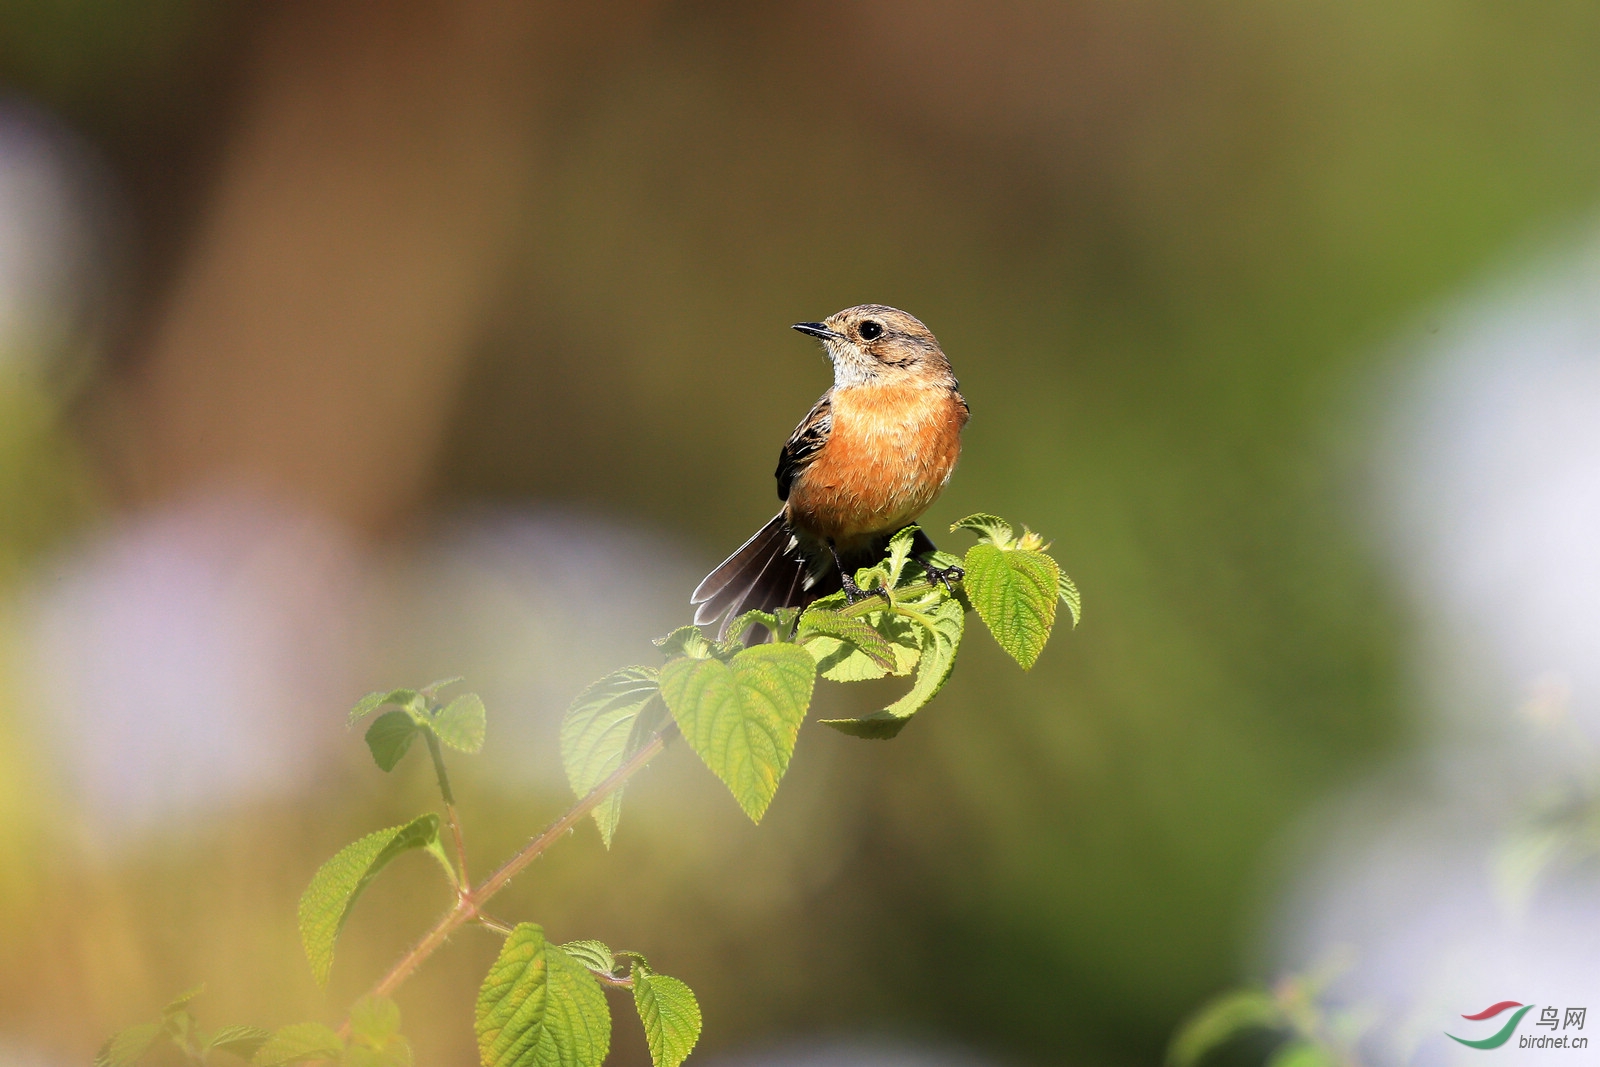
x=875, y=343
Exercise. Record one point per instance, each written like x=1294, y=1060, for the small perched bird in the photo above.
x=868, y=459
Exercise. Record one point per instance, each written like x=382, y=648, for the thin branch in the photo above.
x=468, y=906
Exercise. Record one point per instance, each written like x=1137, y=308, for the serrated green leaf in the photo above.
x=1223, y=1018
x=1014, y=593
x=595, y=955
x=327, y=901
x=839, y=661
x=852, y=631
x=577, y=1012
x=742, y=623
x=670, y=1014
x=373, y=701
x=462, y=722
x=538, y=1007
x=937, y=658
x=900, y=546
x=607, y=725
x=992, y=528
x=742, y=717
x=181, y=1001
x=685, y=641
x=241, y=1041
x=127, y=1047
x=389, y=737
x=1070, y=597
x=299, y=1043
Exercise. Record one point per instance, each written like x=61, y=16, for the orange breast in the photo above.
x=889, y=453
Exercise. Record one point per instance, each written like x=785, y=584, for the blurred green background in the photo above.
x=1166, y=245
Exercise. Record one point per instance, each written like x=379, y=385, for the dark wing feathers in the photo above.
x=803, y=445
x=769, y=571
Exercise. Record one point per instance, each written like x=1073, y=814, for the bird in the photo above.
x=867, y=460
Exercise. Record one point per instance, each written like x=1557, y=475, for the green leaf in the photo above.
x=375, y=1019
x=375, y=1039
x=181, y=1001
x=992, y=528
x=327, y=901
x=685, y=641
x=937, y=651
x=299, y=1043
x=1070, y=597
x=595, y=955
x=900, y=546
x=737, y=628
x=1223, y=1018
x=670, y=1014
x=461, y=723
x=373, y=701
x=849, y=634
x=606, y=725
x=127, y=1047
x=241, y=1041
x=742, y=717
x=179, y=1022
x=389, y=736
x=538, y=1007
x=841, y=661
x=1015, y=594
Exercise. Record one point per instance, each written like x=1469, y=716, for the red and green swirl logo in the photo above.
x=1501, y=1036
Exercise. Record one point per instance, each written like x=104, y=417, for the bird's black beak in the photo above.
x=819, y=330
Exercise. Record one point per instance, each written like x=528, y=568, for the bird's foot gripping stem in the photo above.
x=945, y=576
x=852, y=591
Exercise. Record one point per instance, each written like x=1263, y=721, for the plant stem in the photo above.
x=463, y=883
x=469, y=903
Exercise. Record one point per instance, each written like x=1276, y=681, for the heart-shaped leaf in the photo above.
x=1014, y=592
x=461, y=723
x=670, y=1014
x=742, y=717
x=606, y=725
x=389, y=737
x=538, y=1007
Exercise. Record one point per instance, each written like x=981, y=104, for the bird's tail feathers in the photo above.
x=767, y=572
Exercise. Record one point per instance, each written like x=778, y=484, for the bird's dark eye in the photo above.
x=871, y=331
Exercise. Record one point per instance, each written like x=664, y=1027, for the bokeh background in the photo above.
x=345, y=346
